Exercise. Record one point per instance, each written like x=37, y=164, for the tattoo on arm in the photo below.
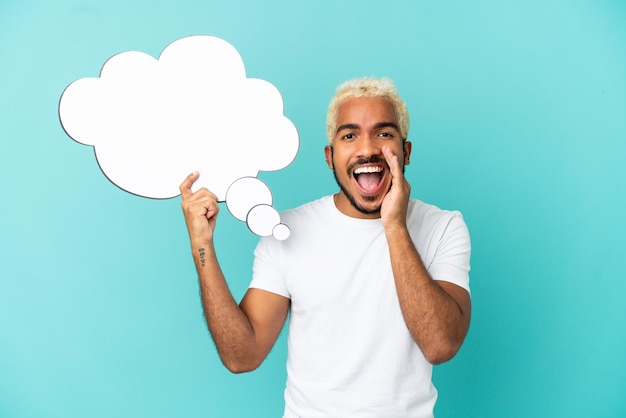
x=202, y=259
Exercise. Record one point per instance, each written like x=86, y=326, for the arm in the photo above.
x=245, y=333
x=437, y=313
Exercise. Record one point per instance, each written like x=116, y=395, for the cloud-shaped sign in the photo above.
x=153, y=121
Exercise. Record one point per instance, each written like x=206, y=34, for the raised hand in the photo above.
x=394, y=207
x=200, y=209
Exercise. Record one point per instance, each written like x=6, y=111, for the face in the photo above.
x=364, y=126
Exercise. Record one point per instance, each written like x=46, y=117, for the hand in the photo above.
x=394, y=207
x=200, y=210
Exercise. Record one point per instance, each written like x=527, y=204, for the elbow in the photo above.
x=239, y=370
x=238, y=366
x=438, y=357
x=441, y=352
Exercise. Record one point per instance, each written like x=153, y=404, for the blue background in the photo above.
x=518, y=120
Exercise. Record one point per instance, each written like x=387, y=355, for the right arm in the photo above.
x=244, y=333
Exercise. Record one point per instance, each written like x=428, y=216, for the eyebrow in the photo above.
x=386, y=125
x=347, y=126
x=376, y=126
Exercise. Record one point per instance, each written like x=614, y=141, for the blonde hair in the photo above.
x=367, y=87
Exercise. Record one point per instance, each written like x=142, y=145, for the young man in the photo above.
x=377, y=283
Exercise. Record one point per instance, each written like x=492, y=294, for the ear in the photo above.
x=407, y=152
x=328, y=151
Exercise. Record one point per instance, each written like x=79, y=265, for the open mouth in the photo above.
x=369, y=178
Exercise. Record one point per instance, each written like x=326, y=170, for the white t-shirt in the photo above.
x=350, y=353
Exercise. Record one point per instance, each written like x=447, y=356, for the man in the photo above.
x=376, y=283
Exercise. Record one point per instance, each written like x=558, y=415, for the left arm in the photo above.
x=437, y=313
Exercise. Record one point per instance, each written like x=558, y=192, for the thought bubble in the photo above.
x=249, y=199
x=154, y=121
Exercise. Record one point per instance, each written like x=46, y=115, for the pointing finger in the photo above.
x=392, y=162
x=185, y=186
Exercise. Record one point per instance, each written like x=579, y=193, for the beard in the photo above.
x=352, y=200
x=350, y=196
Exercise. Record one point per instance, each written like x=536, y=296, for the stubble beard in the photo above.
x=352, y=200
x=350, y=197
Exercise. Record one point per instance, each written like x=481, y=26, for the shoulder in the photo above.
x=319, y=207
x=430, y=225
x=304, y=222
x=427, y=214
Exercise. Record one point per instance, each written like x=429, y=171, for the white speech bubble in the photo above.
x=249, y=199
x=263, y=220
x=244, y=194
x=154, y=121
x=281, y=232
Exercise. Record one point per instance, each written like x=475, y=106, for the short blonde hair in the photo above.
x=367, y=87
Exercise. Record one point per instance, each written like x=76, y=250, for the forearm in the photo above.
x=243, y=335
x=229, y=326
x=435, y=320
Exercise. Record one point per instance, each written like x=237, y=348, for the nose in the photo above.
x=368, y=147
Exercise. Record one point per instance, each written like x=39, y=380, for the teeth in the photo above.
x=369, y=169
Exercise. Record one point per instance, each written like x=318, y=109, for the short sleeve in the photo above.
x=266, y=270
x=451, y=262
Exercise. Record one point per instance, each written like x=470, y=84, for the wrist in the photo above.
x=202, y=254
x=396, y=230
x=205, y=244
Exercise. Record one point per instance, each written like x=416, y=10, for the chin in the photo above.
x=368, y=205
x=368, y=211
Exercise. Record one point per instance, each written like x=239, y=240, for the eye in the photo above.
x=386, y=134
x=349, y=136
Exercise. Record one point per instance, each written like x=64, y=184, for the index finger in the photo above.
x=185, y=186
x=393, y=162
